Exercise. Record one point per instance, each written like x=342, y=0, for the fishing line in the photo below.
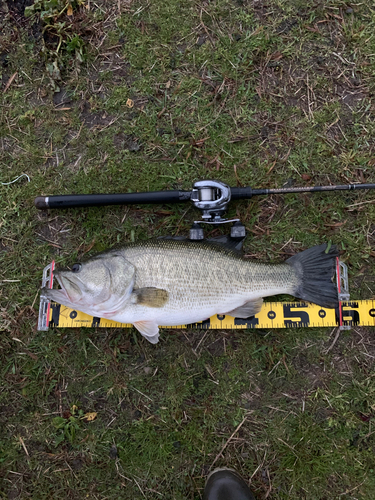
x=15, y=180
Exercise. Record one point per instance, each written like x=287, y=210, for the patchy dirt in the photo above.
x=114, y=63
x=363, y=342
x=95, y=120
x=322, y=414
x=342, y=365
x=314, y=372
x=6, y=411
x=217, y=347
x=351, y=95
x=53, y=231
x=275, y=79
x=13, y=11
x=17, y=7
x=62, y=98
x=124, y=141
x=286, y=25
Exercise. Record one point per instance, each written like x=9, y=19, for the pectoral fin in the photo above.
x=247, y=309
x=149, y=330
x=150, y=296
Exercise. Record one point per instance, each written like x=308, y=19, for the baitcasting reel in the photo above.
x=212, y=198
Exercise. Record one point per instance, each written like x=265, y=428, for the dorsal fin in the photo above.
x=234, y=244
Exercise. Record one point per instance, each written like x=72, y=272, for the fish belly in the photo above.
x=176, y=314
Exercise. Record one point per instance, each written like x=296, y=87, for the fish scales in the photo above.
x=197, y=274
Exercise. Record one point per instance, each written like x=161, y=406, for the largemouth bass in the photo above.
x=174, y=282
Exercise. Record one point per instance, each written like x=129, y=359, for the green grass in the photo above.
x=251, y=93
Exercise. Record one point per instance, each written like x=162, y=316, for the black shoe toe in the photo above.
x=225, y=484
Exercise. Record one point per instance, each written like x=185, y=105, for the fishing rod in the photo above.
x=209, y=196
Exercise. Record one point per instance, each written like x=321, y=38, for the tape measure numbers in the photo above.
x=272, y=315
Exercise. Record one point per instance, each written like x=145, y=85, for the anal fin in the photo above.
x=149, y=330
x=250, y=308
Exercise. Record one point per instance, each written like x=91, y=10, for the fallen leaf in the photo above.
x=90, y=416
x=336, y=224
x=70, y=10
x=31, y=354
x=364, y=418
x=276, y=56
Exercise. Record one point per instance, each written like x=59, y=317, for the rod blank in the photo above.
x=237, y=193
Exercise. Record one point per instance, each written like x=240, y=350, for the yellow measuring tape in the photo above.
x=272, y=315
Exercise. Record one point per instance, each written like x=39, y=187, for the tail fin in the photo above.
x=316, y=270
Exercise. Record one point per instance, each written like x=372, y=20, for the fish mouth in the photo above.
x=60, y=295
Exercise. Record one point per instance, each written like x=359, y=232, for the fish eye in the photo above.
x=76, y=268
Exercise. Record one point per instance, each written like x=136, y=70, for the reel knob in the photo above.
x=238, y=230
x=196, y=233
